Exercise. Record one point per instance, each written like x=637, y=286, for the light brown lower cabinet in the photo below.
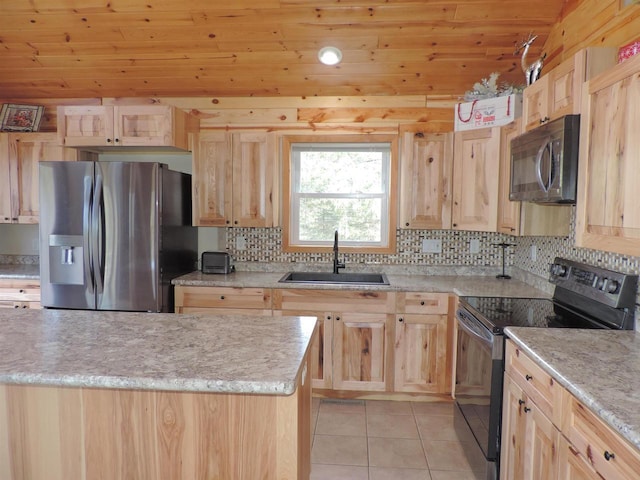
x=367, y=341
x=530, y=437
x=16, y=293
x=549, y=434
x=63, y=433
x=354, y=351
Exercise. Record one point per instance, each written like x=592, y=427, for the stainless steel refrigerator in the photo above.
x=113, y=235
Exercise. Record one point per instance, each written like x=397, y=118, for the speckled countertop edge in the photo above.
x=601, y=368
x=154, y=351
x=463, y=285
x=20, y=272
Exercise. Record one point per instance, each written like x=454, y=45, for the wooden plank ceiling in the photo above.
x=125, y=48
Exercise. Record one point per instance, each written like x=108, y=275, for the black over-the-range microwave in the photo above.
x=544, y=162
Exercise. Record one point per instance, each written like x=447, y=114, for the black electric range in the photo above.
x=584, y=297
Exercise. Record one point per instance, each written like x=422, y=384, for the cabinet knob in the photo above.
x=117, y=140
x=21, y=290
x=328, y=317
x=16, y=306
x=406, y=224
x=235, y=222
x=422, y=302
x=338, y=318
x=221, y=297
x=527, y=409
x=528, y=377
x=521, y=402
x=609, y=456
x=401, y=320
x=108, y=140
x=455, y=224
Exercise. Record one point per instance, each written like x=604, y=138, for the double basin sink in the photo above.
x=346, y=278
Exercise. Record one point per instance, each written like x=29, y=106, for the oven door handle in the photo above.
x=469, y=325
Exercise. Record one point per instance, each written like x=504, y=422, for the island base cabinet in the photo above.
x=60, y=433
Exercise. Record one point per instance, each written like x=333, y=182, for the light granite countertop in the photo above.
x=600, y=367
x=20, y=272
x=463, y=285
x=154, y=351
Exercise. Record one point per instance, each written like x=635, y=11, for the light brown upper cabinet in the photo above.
x=525, y=218
x=558, y=92
x=124, y=126
x=476, y=161
x=234, y=177
x=608, y=217
x=20, y=154
x=425, y=180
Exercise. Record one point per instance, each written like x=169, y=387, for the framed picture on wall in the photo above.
x=20, y=118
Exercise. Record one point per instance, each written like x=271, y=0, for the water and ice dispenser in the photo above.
x=66, y=259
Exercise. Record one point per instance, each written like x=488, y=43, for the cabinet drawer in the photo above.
x=600, y=446
x=19, y=291
x=334, y=300
x=422, y=303
x=537, y=384
x=224, y=297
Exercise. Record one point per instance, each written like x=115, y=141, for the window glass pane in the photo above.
x=340, y=186
x=341, y=172
x=358, y=220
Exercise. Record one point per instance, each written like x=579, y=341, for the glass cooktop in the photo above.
x=501, y=312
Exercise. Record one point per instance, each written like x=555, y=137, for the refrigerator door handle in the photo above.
x=86, y=234
x=97, y=231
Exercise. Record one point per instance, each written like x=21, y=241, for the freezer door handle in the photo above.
x=97, y=231
x=86, y=235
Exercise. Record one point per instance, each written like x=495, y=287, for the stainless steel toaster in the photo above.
x=216, y=262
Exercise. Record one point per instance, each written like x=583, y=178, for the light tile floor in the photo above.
x=388, y=440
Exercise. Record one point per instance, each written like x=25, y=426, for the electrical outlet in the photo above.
x=431, y=245
x=241, y=243
x=533, y=253
x=474, y=246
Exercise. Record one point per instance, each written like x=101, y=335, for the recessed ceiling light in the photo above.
x=330, y=55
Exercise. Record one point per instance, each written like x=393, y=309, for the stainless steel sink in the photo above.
x=351, y=278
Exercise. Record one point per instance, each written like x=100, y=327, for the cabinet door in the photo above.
x=608, y=217
x=541, y=445
x=212, y=179
x=512, y=450
x=564, y=90
x=535, y=103
x=320, y=348
x=7, y=214
x=254, y=163
x=85, y=126
x=360, y=351
x=145, y=125
x=425, y=180
x=26, y=150
x=508, y=211
x=420, y=353
x=571, y=465
x=475, y=179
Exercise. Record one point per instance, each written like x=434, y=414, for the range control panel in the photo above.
x=612, y=288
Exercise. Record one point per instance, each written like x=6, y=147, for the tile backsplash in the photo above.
x=265, y=245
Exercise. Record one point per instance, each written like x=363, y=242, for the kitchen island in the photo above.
x=154, y=396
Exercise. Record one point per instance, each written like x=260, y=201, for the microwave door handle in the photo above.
x=544, y=185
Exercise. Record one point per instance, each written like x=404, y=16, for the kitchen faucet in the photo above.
x=336, y=263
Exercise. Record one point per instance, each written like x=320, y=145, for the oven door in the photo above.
x=479, y=377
